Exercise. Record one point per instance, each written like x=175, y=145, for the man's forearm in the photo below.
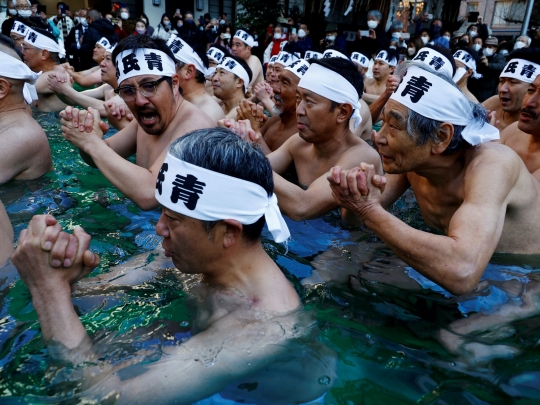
x=370, y=98
x=436, y=257
x=377, y=106
x=70, y=96
x=135, y=182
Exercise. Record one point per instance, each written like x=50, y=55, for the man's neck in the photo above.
x=288, y=118
x=233, y=102
x=381, y=81
x=443, y=170
x=113, y=83
x=510, y=116
x=45, y=66
x=12, y=103
x=192, y=89
x=332, y=145
x=463, y=87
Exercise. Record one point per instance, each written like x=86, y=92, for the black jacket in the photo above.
x=72, y=50
x=98, y=29
x=487, y=86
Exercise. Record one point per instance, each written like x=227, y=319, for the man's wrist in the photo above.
x=368, y=212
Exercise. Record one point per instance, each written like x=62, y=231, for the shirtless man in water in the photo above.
x=524, y=136
x=92, y=76
x=512, y=87
x=191, y=68
x=242, y=43
x=385, y=63
x=479, y=194
x=282, y=125
x=104, y=99
x=323, y=139
x=44, y=59
x=248, y=317
x=25, y=153
x=230, y=84
x=161, y=115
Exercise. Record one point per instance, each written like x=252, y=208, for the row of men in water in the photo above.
x=217, y=190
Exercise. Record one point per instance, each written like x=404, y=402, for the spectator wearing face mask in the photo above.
x=435, y=32
x=415, y=44
x=9, y=12
x=149, y=28
x=394, y=34
x=333, y=40
x=477, y=44
x=491, y=65
x=301, y=41
x=275, y=45
x=224, y=38
x=74, y=39
x=377, y=39
x=522, y=42
x=23, y=14
x=62, y=21
x=211, y=30
x=124, y=27
x=140, y=28
x=189, y=31
x=164, y=30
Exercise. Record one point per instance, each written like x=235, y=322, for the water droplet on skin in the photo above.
x=324, y=380
x=184, y=324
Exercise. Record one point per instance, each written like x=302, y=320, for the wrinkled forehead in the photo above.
x=394, y=109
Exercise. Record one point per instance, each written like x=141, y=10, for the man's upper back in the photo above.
x=256, y=68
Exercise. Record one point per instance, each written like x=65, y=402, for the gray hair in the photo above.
x=222, y=151
x=396, y=25
x=94, y=14
x=527, y=39
x=375, y=13
x=424, y=129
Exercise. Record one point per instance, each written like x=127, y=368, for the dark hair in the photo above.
x=222, y=151
x=190, y=12
x=9, y=43
x=134, y=42
x=530, y=54
x=446, y=53
x=392, y=53
x=163, y=16
x=145, y=16
x=244, y=64
x=60, y=3
x=140, y=20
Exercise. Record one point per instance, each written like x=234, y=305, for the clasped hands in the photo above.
x=77, y=125
x=358, y=189
x=50, y=260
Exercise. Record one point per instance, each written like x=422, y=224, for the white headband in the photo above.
x=332, y=53
x=467, y=59
x=272, y=60
x=383, y=56
x=286, y=58
x=144, y=61
x=248, y=39
x=333, y=86
x=435, y=60
x=29, y=93
x=19, y=28
x=230, y=65
x=15, y=69
x=104, y=43
x=313, y=55
x=111, y=49
x=299, y=68
x=210, y=196
x=185, y=53
x=421, y=91
x=362, y=60
x=215, y=54
x=521, y=69
x=41, y=41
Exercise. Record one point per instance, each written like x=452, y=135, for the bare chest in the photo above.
x=275, y=136
x=149, y=148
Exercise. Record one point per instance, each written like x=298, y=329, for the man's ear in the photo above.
x=345, y=111
x=4, y=88
x=233, y=232
x=44, y=54
x=445, y=133
x=175, y=80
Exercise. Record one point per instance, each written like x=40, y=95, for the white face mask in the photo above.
x=76, y=20
x=392, y=47
x=222, y=22
x=226, y=36
x=277, y=36
x=477, y=47
x=124, y=16
x=459, y=74
x=472, y=33
x=424, y=39
x=25, y=13
x=179, y=24
x=503, y=52
x=447, y=37
x=411, y=51
x=331, y=38
x=84, y=22
x=372, y=24
x=519, y=45
x=140, y=31
x=301, y=33
x=12, y=11
x=488, y=51
x=396, y=35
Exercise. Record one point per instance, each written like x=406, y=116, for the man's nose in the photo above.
x=161, y=228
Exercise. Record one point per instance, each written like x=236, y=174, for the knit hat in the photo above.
x=492, y=41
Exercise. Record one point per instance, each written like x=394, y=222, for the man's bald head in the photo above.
x=10, y=51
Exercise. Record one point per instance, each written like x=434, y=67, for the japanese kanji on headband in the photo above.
x=435, y=60
x=210, y=196
x=143, y=61
x=521, y=69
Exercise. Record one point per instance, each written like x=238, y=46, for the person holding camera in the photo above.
x=62, y=21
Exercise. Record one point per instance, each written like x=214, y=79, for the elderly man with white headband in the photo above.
x=242, y=43
x=213, y=212
x=512, y=87
x=466, y=61
x=477, y=193
x=385, y=63
x=103, y=98
x=192, y=69
x=230, y=83
x=524, y=136
x=25, y=153
x=327, y=100
x=148, y=84
x=41, y=53
x=282, y=125
x=92, y=76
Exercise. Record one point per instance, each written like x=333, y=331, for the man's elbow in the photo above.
x=464, y=280
x=146, y=203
